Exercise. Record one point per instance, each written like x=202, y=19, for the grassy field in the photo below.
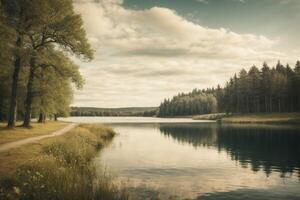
x=270, y=118
x=10, y=135
x=59, y=168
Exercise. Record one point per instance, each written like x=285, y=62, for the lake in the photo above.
x=186, y=159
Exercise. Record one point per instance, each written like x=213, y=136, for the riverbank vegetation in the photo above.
x=59, y=168
x=36, y=72
x=268, y=90
x=214, y=116
x=265, y=118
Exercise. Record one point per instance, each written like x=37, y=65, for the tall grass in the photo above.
x=65, y=171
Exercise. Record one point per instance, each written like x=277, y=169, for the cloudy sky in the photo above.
x=148, y=50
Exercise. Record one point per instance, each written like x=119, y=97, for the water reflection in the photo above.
x=276, y=193
x=205, y=161
x=194, y=134
x=267, y=148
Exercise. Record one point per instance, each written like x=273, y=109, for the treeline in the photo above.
x=36, y=73
x=113, y=112
x=275, y=89
x=195, y=102
x=269, y=89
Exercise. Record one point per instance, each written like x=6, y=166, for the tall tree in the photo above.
x=14, y=17
x=296, y=85
x=265, y=86
x=254, y=78
x=55, y=23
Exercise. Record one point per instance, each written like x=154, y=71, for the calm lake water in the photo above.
x=183, y=160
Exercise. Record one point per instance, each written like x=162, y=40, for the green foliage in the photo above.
x=267, y=90
x=42, y=35
x=52, y=87
x=194, y=103
x=131, y=111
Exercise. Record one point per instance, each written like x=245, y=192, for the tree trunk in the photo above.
x=238, y=104
x=266, y=104
x=271, y=106
x=1, y=106
x=258, y=105
x=55, y=117
x=248, y=109
x=279, y=105
x=14, y=88
x=41, y=118
x=29, y=95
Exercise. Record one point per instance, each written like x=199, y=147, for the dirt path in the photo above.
x=11, y=145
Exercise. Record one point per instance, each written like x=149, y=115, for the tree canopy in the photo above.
x=38, y=39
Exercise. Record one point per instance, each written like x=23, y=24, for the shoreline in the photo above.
x=263, y=118
x=253, y=118
x=51, y=168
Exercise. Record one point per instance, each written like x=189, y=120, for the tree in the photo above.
x=243, y=91
x=254, y=90
x=55, y=23
x=52, y=91
x=266, y=79
x=193, y=103
x=296, y=85
x=5, y=60
x=290, y=94
x=14, y=19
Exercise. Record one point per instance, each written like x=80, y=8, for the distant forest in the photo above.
x=275, y=89
x=132, y=111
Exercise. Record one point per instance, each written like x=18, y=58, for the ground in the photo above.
x=11, y=135
x=278, y=118
x=10, y=160
x=52, y=168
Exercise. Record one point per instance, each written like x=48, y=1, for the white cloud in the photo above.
x=143, y=56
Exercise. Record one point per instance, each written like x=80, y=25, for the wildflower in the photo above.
x=16, y=190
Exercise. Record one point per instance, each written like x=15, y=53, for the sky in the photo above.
x=149, y=50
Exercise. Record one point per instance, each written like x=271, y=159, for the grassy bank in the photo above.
x=268, y=118
x=214, y=116
x=58, y=168
x=10, y=135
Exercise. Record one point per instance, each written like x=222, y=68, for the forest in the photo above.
x=37, y=75
x=265, y=90
x=113, y=112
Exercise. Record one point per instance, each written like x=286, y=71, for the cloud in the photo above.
x=162, y=32
x=143, y=56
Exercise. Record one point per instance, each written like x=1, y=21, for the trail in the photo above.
x=16, y=144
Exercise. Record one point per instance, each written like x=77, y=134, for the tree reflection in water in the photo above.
x=267, y=148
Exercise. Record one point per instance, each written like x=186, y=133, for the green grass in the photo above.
x=18, y=133
x=59, y=168
x=267, y=118
x=214, y=116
